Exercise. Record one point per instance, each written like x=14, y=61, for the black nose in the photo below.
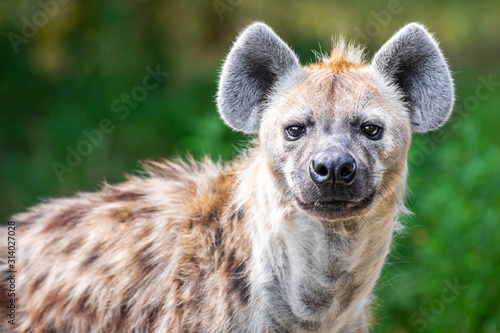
x=336, y=168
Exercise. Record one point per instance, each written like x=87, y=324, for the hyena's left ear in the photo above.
x=257, y=60
x=412, y=60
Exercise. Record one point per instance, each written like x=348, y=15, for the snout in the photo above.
x=334, y=183
x=333, y=167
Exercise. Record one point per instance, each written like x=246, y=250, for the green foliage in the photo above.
x=64, y=80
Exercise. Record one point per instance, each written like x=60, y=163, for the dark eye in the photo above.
x=294, y=132
x=373, y=132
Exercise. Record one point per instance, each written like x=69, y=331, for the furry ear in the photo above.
x=257, y=60
x=413, y=61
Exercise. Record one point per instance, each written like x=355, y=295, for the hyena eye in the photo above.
x=373, y=132
x=294, y=132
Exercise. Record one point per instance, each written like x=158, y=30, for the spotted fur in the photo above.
x=246, y=246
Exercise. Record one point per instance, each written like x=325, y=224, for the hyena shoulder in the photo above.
x=146, y=237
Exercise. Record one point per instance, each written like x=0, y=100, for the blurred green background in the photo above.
x=64, y=64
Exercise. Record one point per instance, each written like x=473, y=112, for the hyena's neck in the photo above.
x=310, y=275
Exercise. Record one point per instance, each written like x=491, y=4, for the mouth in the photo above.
x=335, y=209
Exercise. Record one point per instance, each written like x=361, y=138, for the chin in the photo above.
x=335, y=210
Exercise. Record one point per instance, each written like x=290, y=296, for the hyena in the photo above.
x=289, y=237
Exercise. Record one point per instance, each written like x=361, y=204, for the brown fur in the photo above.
x=124, y=236
x=338, y=61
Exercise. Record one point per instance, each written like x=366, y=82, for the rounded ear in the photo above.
x=413, y=61
x=257, y=60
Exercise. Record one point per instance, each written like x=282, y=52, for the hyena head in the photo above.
x=336, y=133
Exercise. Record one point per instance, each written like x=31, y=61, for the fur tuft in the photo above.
x=343, y=56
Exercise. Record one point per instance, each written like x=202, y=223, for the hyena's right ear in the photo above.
x=257, y=60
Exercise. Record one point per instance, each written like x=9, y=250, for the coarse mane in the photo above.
x=343, y=57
